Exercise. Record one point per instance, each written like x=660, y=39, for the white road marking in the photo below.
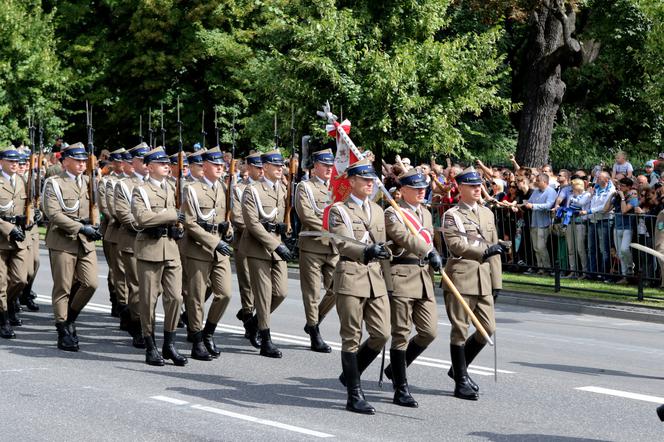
x=300, y=340
x=170, y=400
x=244, y=417
x=624, y=394
x=20, y=370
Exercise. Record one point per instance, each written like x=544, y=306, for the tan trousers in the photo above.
x=65, y=268
x=243, y=280
x=218, y=273
x=269, y=284
x=13, y=274
x=155, y=278
x=119, y=274
x=131, y=279
x=313, y=266
x=482, y=306
x=33, y=264
x=375, y=312
x=408, y=311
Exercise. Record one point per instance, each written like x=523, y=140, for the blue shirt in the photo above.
x=625, y=221
x=542, y=202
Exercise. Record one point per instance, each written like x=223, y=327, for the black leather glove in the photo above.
x=223, y=228
x=495, y=294
x=38, y=216
x=376, y=251
x=21, y=220
x=495, y=249
x=435, y=261
x=175, y=232
x=17, y=234
x=90, y=232
x=223, y=248
x=180, y=217
x=281, y=229
x=284, y=252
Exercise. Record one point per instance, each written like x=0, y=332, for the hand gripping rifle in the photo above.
x=231, y=171
x=92, y=169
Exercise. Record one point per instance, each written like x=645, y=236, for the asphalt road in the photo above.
x=563, y=377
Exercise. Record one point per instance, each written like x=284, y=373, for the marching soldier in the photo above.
x=157, y=256
x=109, y=228
x=70, y=238
x=413, y=301
x=318, y=257
x=195, y=161
x=27, y=296
x=474, y=267
x=14, y=253
x=135, y=172
x=246, y=313
x=207, y=254
x=263, y=207
x=359, y=283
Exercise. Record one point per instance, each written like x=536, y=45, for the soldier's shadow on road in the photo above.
x=496, y=437
x=586, y=370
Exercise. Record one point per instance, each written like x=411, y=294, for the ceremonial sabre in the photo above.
x=648, y=250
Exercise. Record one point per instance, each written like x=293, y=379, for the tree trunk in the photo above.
x=550, y=45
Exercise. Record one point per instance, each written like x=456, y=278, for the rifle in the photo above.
x=150, y=131
x=203, y=133
x=92, y=168
x=231, y=171
x=276, y=133
x=163, y=131
x=179, y=185
x=30, y=189
x=216, y=127
x=292, y=169
x=140, y=129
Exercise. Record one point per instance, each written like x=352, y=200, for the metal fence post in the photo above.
x=639, y=290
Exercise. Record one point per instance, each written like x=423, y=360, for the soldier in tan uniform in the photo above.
x=318, y=256
x=110, y=227
x=27, y=296
x=195, y=161
x=136, y=173
x=263, y=207
x=157, y=256
x=246, y=313
x=207, y=251
x=413, y=301
x=70, y=238
x=359, y=283
x=14, y=253
x=474, y=267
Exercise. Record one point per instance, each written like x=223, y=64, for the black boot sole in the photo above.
x=322, y=349
x=155, y=363
x=370, y=411
x=63, y=348
x=178, y=363
x=12, y=336
x=201, y=358
x=274, y=355
x=473, y=397
x=406, y=404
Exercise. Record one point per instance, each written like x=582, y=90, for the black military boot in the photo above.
x=471, y=350
x=184, y=319
x=250, y=323
x=170, y=352
x=402, y=395
x=65, y=340
x=6, y=330
x=12, y=311
x=365, y=356
x=208, y=340
x=356, y=401
x=137, y=339
x=267, y=347
x=112, y=296
x=198, y=350
x=152, y=356
x=412, y=352
x=462, y=388
x=317, y=343
x=125, y=317
x=70, y=323
x=28, y=297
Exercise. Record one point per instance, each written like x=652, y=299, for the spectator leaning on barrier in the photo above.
x=540, y=202
x=599, y=227
x=624, y=202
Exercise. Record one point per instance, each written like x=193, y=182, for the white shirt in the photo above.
x=9, y=178
x=209, y=183
x=139, y=176
x=322, y=181
x=269, y=183
x=157, y=183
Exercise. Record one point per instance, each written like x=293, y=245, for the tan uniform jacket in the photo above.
x=410, y=280
x=199, y=243
x=465, y=267
x=63, y=227
x=352, y=276
x=159, y=210
x=257, y=242
x=122, y=209
x=107, y=202
x=311, y=197
x=13, y=200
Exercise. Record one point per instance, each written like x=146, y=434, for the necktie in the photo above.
x=367, y=209
x=78, y=182
x=13, y=181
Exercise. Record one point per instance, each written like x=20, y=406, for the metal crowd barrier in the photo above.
x=571, y=246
